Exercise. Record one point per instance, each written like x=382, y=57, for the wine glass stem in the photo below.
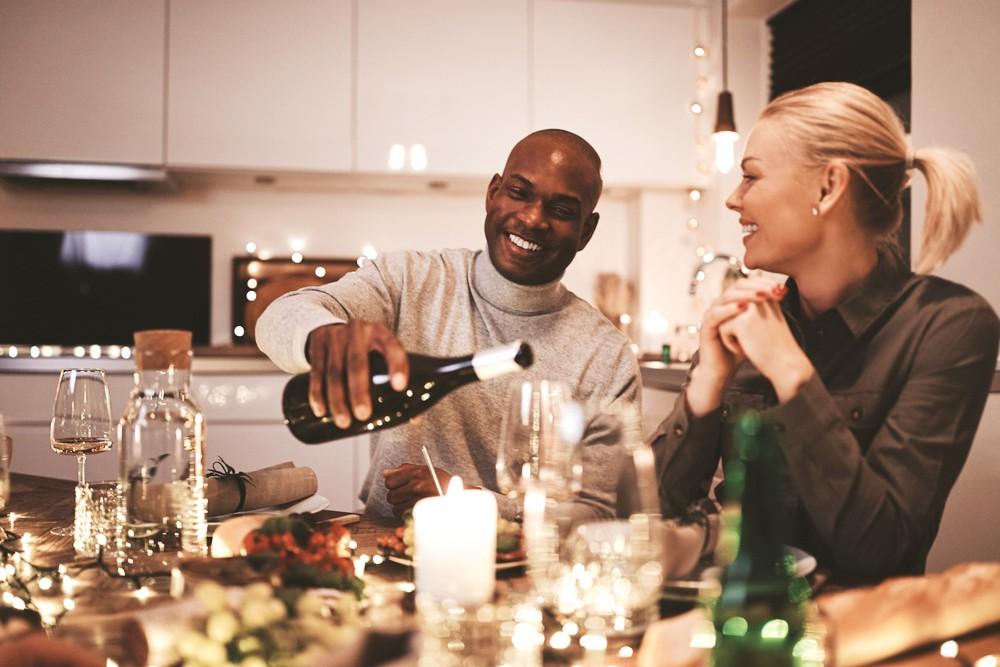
x=81, y=475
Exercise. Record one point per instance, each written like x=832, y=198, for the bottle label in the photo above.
x=496, y=361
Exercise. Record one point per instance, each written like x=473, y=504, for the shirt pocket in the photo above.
x=863, y=412
x=735, y=403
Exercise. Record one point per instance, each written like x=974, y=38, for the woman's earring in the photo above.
x=814, y=211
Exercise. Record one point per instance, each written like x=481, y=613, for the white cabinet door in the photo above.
x=622, y=76
x=451, y=75
x=260, y=84
x=82, y=80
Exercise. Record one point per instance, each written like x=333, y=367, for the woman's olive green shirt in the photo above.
x=874, y=441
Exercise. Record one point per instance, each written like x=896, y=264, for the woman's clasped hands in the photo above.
x=746, y=323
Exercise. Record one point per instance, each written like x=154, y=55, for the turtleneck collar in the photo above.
x=510, y=296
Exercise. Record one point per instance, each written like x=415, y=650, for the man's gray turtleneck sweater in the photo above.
x=452, y=303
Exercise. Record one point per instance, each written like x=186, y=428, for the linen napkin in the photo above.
x=273, y=485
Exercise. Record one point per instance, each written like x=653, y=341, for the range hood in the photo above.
x=82, y=171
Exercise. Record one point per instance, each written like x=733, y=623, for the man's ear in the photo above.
x=588, y=229
x=491, y=189
x=833, y=185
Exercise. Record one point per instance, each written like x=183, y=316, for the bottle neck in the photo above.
x=171, y=380
x=754, y=471
x=501, y=360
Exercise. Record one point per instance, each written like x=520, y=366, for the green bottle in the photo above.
x=760, y=614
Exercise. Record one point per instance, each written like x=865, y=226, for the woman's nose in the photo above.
x=734, y=200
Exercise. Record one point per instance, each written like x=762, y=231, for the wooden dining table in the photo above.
x=37, y=504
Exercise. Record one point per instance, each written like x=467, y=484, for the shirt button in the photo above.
x=725, y=413
x=678, y=430
x=820, y=331
x=779, y=427
x=857, y=414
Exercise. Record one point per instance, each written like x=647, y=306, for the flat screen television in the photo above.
x=89, y=287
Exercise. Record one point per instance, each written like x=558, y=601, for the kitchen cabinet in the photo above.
x=622, y=76
x=82, y=80
x=450, y=75
x=260, y=84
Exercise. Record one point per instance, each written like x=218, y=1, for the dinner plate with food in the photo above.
x=397, y=546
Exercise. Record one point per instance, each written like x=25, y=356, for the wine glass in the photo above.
x=603, y=574
x=534, y=442
x=81, y=422
x=5, y=457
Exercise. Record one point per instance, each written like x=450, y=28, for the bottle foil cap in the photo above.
x=159, y=349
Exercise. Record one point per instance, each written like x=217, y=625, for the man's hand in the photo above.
x=37, y=650
x=338, y=357
x=409, y=483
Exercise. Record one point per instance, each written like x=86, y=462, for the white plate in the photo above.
x=804, y=563
x=310, y=505
x=506, y=565
x=706, y=577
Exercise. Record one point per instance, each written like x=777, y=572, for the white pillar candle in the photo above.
x=455, y=545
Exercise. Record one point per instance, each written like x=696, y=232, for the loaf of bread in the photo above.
x=867, y=624
x=906, y=612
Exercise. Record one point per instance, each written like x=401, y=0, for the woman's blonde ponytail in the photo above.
x=953, y=204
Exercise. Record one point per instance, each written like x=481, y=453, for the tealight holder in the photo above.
x=95, y=517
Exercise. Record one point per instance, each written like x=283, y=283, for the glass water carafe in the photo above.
x=162, y=461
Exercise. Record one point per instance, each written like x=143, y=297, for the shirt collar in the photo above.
x=510, y=296
x=882, y=286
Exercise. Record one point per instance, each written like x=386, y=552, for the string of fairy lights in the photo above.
x=297, y=256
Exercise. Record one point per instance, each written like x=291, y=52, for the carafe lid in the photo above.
x=159, y=349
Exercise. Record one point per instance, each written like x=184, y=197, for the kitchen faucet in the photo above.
x=734, y=270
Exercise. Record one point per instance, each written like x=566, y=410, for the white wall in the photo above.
x=955, y=96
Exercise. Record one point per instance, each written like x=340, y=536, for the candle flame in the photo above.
x=455, y=486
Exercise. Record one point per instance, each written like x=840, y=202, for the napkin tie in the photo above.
x=223, y=471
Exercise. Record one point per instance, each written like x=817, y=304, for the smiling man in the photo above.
x=539, y=214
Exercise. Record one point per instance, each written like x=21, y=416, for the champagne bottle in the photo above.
x=431, y=378
x=759, y=616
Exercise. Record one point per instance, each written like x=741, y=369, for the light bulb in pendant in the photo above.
x=725, y=137
x=725, y=150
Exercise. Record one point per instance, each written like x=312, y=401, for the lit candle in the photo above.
x=455, y=543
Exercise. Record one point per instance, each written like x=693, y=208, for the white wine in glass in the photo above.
x=81, y=420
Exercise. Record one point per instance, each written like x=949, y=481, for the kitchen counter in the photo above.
x=227, y=360
x=236, y=361
x=670, y=377
x=666, y=377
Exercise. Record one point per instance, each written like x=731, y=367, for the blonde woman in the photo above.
x=875, y=375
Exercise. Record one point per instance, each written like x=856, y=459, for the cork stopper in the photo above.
x=159, y=349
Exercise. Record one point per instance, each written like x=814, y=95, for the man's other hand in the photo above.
x=409, y=483
x=338, y=357
x=37, y=650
